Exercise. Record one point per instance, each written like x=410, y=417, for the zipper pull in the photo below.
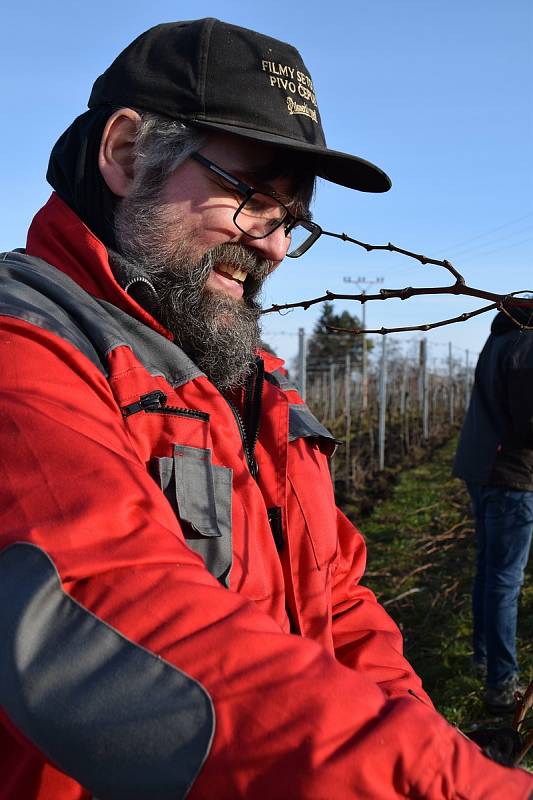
x=254, y=467
x=146, y=402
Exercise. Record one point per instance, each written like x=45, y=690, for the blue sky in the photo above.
x=438, y=94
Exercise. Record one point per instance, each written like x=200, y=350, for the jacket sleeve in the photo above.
x=365, y=637
x=134, y=601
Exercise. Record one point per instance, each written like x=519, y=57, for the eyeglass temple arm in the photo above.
x=242, y=187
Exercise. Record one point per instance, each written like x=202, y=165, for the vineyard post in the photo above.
x=347, y=415
x=424, y=388
x=364, y=364
x=450, y=383
x=403, y=387
x=332, y=412
x=311, y=398
x=362, y=283
x=404, y=407
x=324, y=378
x=332, y=405
x=433, y=392
x=467, y=379
x=302, y=363
x=382, y=402
x=419, y=377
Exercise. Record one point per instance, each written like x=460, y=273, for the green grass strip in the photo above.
x=420, y=564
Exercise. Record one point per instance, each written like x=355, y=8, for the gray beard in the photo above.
x=220, y=333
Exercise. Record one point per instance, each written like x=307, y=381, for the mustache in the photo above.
x=241, y=257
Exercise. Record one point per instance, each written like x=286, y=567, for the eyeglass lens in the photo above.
x=261, y=214
x=301, y=240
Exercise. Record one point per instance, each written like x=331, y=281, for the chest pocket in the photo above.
x=200, y=494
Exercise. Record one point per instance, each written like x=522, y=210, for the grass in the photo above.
x=420, y=564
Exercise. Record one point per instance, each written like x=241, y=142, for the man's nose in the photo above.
x=274, y=246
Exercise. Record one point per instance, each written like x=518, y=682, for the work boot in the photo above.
x=501, y=699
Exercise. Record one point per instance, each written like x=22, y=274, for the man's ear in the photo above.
x=115, y=158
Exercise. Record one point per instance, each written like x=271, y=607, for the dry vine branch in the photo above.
x=414, y=572
x=520, y=723
x=503, y=302
x=401, y=596
x=456, y=532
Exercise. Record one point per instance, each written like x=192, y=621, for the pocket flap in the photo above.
x=201, y=496
x=195, y=490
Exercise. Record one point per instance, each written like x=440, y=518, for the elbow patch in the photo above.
x=118, y=719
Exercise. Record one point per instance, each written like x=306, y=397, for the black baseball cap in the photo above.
x=218, y=76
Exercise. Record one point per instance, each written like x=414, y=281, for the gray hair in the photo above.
x=161, y=145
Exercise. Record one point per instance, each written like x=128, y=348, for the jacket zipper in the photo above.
x=248, y=451
x=249, y=430
x=156, y=403
x=254, y=399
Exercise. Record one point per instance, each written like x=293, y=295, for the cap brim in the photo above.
x=350, y=171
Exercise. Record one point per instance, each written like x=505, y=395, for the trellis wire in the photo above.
x=409, y=404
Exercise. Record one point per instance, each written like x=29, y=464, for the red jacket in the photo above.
x=172, y=624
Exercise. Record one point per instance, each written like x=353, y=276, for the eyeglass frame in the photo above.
x=248, y=192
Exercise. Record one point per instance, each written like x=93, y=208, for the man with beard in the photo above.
x=181, y=613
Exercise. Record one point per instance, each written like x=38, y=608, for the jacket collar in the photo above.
x=58, y=236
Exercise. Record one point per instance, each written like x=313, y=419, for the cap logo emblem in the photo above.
x=301, y=108
x=298, y=86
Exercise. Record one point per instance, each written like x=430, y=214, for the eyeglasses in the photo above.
x=261, y=213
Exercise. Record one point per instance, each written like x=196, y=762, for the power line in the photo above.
x=488, y=232
x=505, y=247
x=481, y=246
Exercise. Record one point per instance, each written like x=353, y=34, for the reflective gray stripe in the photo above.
x=115, y=717
x=303, y=423
x=33, y=290
x=279, y=379
x=159, y=355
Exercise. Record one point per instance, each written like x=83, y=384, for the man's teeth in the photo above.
x=233, y=272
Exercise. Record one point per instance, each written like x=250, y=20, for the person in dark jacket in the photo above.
x=495, y=458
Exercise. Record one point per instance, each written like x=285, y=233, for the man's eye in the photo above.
x=254, y=205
